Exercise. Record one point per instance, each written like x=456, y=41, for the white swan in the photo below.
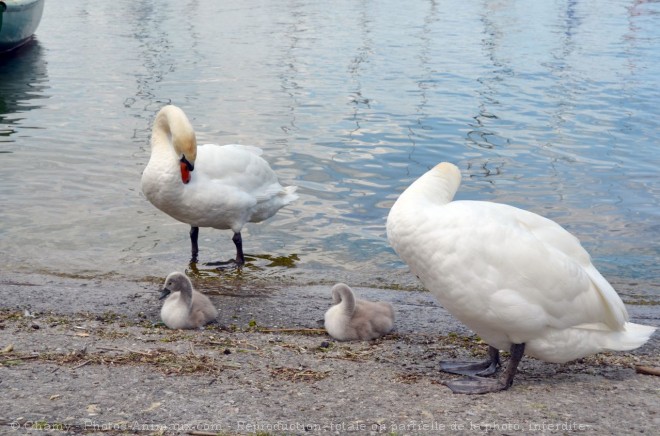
x=520, y=281
x=185, y=308
x=222, y=187
x=351, y=318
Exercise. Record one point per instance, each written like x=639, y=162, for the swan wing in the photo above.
x=496, y=265
x=230, y=186
x=238, y=168
x=251, y=148
x=564, y=243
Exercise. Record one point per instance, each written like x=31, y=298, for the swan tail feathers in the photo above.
x=633, y=336
x=628, y=338
x=282, y=195
x=564, y=345
x=288, y=194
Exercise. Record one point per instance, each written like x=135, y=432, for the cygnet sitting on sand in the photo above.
x=351, y=318
x=185, y=308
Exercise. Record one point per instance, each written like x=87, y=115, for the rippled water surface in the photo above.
x=550, y=106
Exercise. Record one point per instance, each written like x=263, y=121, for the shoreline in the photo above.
x=100, y=365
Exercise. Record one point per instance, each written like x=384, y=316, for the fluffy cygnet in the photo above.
x=351, y=318
x=185, y=308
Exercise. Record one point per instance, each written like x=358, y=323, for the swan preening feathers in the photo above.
x=184, y=307
x=518, y=280
x=351, y=318
x=222, y=187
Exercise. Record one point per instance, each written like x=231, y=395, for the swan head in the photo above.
x=185, y=146
x=172, y=125
x=176, y=282
x=184, y=143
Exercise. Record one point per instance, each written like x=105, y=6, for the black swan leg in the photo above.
x=240, y=258
x=480, y=385
x=238, y=241
x=194, y=234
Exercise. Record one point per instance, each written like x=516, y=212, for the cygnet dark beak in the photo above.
x=164, y=293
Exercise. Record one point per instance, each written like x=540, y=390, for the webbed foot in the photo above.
x=462, y=367
x=479, y=385
x=475, y=385
x=224, y=264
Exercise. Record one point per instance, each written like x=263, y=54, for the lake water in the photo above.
x=550, y=106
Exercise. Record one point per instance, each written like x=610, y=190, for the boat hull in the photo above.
x=19, y=20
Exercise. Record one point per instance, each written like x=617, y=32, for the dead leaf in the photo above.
x=153, y=407
x=93, y=409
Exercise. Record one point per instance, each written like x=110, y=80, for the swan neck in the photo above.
x=187, y=299
x=343, y=295
x=161, y=134
x=438, y=186
x=186, y=294
x=171, y=129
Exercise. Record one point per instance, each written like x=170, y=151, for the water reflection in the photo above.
x=152, y=35
x=290, y=64
x=425, y=80
x=358, y=101
x=23, y=85
x=551, y=107
x=485, y=134
x=160, y=53
x=259, y=276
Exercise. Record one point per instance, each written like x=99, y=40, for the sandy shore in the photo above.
x=88, y=357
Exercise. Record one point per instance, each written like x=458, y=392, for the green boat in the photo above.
x=18, y=21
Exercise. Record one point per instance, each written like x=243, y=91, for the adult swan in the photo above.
x=518, y=280
x=222, y=187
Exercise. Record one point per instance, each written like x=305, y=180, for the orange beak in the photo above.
x=185, y=173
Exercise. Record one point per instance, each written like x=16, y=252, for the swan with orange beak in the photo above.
x=223, y=187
